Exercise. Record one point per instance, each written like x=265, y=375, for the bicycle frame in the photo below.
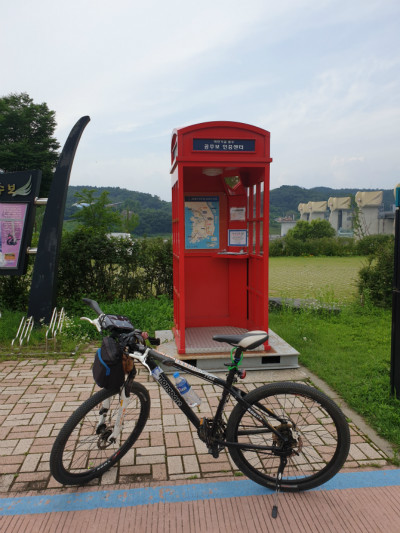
x=151, y=357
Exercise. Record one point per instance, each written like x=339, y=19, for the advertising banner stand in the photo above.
x=18, y=192
x=220, y=212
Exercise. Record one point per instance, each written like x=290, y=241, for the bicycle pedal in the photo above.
x=214, y=452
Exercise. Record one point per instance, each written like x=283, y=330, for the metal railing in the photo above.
x=55, y=326
x=52, y=330
x=24, y=330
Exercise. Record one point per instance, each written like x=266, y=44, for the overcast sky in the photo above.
x=323, y=76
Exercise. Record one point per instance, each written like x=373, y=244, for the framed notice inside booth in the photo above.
x=237, y=237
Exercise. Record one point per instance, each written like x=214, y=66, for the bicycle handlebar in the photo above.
x=120, y=326
x=93, y=305
x=94, y=322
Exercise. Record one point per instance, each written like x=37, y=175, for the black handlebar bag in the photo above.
x=108, y=371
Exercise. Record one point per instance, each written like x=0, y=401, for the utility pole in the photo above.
x=395, y=353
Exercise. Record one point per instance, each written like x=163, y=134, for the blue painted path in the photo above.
x=83, y=501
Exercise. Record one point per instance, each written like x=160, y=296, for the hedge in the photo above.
x=102, y=268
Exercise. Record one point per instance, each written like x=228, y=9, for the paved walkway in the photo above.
x=37, y=396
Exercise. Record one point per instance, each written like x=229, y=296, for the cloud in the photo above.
x=341, y=161
x=322, y=76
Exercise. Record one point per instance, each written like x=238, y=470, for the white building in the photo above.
x=317, y=210
x=368, y=219
x=341, y=216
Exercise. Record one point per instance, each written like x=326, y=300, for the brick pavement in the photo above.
x=37, y=396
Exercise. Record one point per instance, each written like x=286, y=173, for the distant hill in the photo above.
x=155, y=214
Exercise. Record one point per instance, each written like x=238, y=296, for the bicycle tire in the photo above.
x=321, y=436
x=76, y=457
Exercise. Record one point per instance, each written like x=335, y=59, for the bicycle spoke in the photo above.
x=305, y=433
x=314, y=440
x=84, y=450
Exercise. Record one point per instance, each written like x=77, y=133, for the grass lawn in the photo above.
x=351, y=352
x=326, y=278
x=148, y=315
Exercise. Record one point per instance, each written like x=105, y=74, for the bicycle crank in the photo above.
x=212, y=436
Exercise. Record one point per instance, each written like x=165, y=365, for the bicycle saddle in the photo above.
x=247, y=341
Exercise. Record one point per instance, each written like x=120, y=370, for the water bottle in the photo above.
x=186, y=391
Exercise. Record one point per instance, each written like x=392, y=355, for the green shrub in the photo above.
x=370, y=244
x=276, y=248
x=327, y=246
x=375, y=280
x=14, y=290
x=155, y=260
x=108, y=269
x=95, y=266
x=294, y=246
x=314, y=238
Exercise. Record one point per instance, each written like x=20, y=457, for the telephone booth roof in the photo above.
x=219, y=142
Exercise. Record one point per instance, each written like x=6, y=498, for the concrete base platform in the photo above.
x=202, y=351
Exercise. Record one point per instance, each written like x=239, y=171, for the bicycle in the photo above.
x=285, y=436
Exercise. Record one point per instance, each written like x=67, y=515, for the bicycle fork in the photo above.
x=108, y=437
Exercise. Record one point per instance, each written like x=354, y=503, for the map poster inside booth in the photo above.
x=12, y=219
x=201, y=222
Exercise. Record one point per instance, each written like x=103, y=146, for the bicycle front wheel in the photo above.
x=315, y=436
x=81, y=451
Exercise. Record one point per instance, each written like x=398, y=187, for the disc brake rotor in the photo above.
x=290, y=444
x=103, y=441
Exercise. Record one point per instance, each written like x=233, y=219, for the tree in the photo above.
x=316, y=229
x=129, y=216
x=96, y=213
x=321, y=229
x=27, y=137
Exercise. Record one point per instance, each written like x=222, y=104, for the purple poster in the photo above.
x=12, y=218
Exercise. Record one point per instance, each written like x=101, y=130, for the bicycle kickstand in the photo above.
x=281, y=468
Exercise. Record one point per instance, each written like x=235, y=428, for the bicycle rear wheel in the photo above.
x=81, y=452
x=318, y=436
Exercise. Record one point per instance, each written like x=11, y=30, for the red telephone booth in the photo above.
x=220, y=208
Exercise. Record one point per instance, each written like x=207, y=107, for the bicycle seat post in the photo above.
x=238, y=355
x=233, y=368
